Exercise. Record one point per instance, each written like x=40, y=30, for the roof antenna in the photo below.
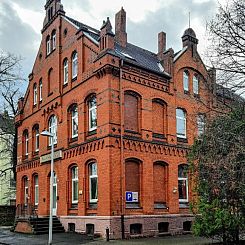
x=189, y=19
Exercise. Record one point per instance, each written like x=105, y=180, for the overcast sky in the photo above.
x=21, y=22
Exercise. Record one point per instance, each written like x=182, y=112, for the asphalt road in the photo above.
x=9, y=238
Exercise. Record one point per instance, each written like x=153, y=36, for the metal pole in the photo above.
x=51, y=191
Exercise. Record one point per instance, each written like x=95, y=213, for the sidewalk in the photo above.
x=9, y=238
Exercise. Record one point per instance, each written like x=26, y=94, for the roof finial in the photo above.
x=189, y=19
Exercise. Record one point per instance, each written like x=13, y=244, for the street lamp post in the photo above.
x=51, y=136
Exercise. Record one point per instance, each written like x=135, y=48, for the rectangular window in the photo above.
x=37, y=140
x=183, y=183
x=26, y=144
x=74, y=184
x=92, y=114
x=200, y=124
x=36, y=190
x=181, y=123
x=183, y=189
x=195, y=85
x=186, y=81
x=74, y=122
x=48, y=47
x=93, y=183
x=40, y=91
x=35, y=95
x=66, y=71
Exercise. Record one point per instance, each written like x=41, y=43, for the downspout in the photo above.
x=121, y=150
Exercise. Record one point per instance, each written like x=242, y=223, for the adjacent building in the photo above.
x=123, y=119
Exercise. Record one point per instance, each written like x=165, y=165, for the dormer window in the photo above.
x=48, y=46
x=53, y=39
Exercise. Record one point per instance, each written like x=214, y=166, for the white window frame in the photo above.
x=74, y=121
x=26, y=191
x=37, y=139
x=92, y=110
x=92, y=176
x=36, y=190
x=53, y=129
x=35, y=94
x=66, y=71
x=185, y=179
x=74, y=180
x=54, y=40
x=48, y=45
x=74, y=65
x=40, y=91
x=186, y=81
x=195, y=85
x=26, y=143
x=180, y=119
x=200, y=124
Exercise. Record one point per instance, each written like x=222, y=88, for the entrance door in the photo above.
x=55, y=195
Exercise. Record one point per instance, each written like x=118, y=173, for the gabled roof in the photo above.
x=131, y=53
x=140, y=57
x=92, y=32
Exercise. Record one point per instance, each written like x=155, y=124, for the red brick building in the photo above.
x=123, y=119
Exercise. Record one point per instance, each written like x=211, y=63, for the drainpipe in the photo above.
x=121, y=151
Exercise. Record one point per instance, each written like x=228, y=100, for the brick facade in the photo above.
x=141, y=154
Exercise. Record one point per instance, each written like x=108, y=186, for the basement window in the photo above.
x=135, y=229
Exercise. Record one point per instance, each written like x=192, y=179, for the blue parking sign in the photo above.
x=129, y=196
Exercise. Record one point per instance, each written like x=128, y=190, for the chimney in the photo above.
x=161, y=44
x=106, y=36
x=168, y=60
x=120, y=28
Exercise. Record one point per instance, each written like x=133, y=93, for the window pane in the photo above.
x=93, y=169
x=182, y=185
x=75, y=190
x=186, y=81
x=75, y=173
x=94, y=188
x=195, y=85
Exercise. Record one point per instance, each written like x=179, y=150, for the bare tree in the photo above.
x=227, y=49
x=10, y=82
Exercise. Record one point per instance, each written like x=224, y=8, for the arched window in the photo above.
x=36, y=138
x=186, y=81
x=74, y=65
x=48, y=45
x=35, y=94
x=65, y=68
x=74, y=121
x=25, y=191
x=183, y=182
x=36, y=190
x=26, y=143
x=132, y=182
x=181, y=123
x=53, y=129
x=93, y=183
x=92, y=113
x=131, y=119
x=159, y=118
x=40, y=90
x=53, y=39
x=74, y=184
x=160, y=176
x=195, y=85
